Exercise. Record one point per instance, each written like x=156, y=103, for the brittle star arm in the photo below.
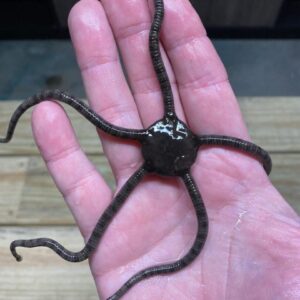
x=239, y=144
x=192, y=253
x=157, y=61
x=97, y=233
x=78, y=105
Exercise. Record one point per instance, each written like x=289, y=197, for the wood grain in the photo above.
x=286, y=177
x=31, y=206
x=42, y=274
x=273, y=123
x=23, y=143
x=28, y=194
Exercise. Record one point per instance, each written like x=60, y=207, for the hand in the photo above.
x=252, y=251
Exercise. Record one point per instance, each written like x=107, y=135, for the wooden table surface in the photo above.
x=30, y=205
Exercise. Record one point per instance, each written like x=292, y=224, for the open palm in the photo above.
x=252, y=250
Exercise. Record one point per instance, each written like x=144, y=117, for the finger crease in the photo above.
x=132, y=30
x=125, y=169
x=98, y=61
x=79, y=183
x=155, y=90
x=115, y=112
x=62, y=154
x=198, y=83
x=186, y=40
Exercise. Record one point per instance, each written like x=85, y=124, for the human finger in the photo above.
x=106, y=87
x=83, y=188
x=207, y=97
x=131, y=30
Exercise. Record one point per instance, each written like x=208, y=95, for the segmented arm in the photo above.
x=248, y=147
x=157, y=59
x=189, y=257
x=79, y=106
x=97, y=233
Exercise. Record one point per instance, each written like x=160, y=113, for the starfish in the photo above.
x=169, y=148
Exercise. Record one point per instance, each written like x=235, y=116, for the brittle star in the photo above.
x=169, y=148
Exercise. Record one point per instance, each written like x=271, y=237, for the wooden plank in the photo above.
x=273, y=122
x=23, y=143
x=42, y=274
x=238, y=13
x=28, y=195
x=286, y=177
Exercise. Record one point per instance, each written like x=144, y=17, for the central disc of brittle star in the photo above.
x=170, y=148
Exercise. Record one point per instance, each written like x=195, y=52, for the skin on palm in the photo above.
x=249, y=225
x=224, y=177
x=251, y=243
x=164, y=232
